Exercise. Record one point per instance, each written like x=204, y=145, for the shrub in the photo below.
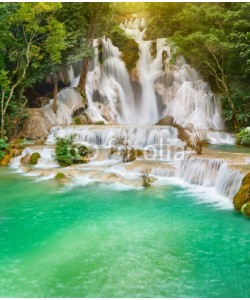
x=4, y=148
x=243, y=138
x=60, y=176
x=122, y=147
x=67, y=153
x=197, y=143
x=146, y=180
x=77, y=121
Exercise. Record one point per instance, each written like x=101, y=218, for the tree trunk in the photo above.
x=55, y=94
x=235, y=113
x=2, y=124
x=85, y=62
x=83, y=76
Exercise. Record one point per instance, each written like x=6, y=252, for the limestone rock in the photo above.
x=167, y=121
x=190, y=127
x=135, y=75
x=36, y=126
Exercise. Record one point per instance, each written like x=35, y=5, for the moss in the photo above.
x=243, y=196
x=33, y=159
x=99, y=123
x=60, y=176
x=77, y=121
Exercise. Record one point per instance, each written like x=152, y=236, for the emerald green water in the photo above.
x=97, y=241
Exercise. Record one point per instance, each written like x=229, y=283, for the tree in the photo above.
x=94, y=13
x=207, y=45
x=29, y=32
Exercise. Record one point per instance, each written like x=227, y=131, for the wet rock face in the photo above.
x=36, y=126
x=98, y=97
x=78, y=112
x=241, y=200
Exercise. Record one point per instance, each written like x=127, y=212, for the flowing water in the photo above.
x=101, y=240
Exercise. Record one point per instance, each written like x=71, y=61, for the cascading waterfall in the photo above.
x=199, y=171
x=167, y=89
x=139, y=137
x=228, y=181
x=183, y=92
x=46, y=161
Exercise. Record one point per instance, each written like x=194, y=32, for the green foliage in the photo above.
x=31, y=42
x=4, y=148
x=67, y=153
x=243, y=138
x=77, y=121
x=216, y=42
x=60, y=176
x=34, y=158
x=126, y=45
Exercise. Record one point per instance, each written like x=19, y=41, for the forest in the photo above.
x=37, y=39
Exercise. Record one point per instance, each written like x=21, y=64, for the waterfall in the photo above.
x=45, y=162
x=228, y=181
x=180, y=88
x=139, y=137
x=210, y=172
x=167, y=89
x=199, y=171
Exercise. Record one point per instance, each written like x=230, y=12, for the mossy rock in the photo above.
x=246, y=209
x=33, y=159
x=243, y=195
x=99, y=123
x=60, y=176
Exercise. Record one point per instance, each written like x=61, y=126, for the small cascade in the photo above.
x=220, y=138
x=139, y=137
x=163, y=171
x=199, y=171
x=228, y=181
x=45, y=162
x=211, y=172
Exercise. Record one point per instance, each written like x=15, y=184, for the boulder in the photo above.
x=167, y=121
x=36, y=126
